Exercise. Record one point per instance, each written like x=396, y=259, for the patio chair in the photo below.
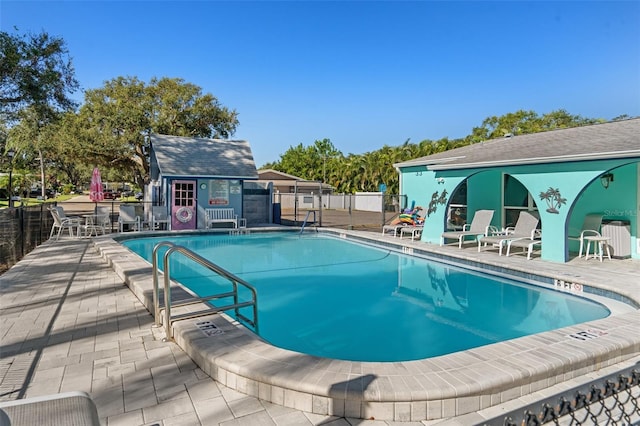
x=527, y=244
x=159, y=217
x=97, y=223
x=61, y=222
x=128, y=217
x=525, y=228
x=590, y=227
x=479, y=226
x=103, y=215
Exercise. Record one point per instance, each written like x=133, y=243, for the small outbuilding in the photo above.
x=560, y=176
x=192, y=175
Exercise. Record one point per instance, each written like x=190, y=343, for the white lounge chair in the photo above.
x=392, y=228
x=525, y=228
x=590, y=227
x=414, y=230
x=479, y=226
x=527, y=244
x=128, y=217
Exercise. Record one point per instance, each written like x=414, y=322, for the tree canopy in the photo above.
x=35, y=71
x=117, y=119
x=111, y=129
x=365, y=172
x=36, y=81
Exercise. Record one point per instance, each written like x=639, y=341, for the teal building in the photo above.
x=560, y=176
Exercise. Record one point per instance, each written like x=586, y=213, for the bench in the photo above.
x=226, y=215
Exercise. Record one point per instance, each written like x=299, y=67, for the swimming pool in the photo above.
x=324, y=296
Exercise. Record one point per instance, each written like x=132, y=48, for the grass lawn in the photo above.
x=34, y=201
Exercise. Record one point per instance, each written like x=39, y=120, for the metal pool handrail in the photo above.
x=306, y=219
x=214, y=309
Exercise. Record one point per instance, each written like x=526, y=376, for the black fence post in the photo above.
x=21, y=215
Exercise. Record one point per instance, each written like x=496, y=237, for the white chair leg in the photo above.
x=581, y=247
x=599, y=250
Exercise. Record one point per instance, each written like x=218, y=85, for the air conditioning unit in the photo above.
x=619, y=232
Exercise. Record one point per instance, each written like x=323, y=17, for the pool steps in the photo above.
x=205, y=308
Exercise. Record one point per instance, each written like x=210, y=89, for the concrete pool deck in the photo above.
x=70, y=324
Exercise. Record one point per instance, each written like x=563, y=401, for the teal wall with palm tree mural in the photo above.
x=561, y=193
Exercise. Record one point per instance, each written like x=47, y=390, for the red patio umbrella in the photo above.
x=95, y=190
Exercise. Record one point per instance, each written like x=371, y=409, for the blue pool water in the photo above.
x=329, y=297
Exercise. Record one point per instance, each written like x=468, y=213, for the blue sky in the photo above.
x=362, y=73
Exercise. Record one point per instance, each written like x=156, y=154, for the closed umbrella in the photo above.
x=95, y=190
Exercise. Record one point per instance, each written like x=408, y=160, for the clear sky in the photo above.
x=362, y=73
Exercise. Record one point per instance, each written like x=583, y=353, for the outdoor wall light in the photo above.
x=440, y=180
x=606, y=179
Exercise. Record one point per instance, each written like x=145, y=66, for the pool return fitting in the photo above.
x=234, y=280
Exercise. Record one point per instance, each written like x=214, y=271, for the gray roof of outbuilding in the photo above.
x=616, y=139
x=201, y=157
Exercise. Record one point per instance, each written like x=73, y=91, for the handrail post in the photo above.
x=154, y=272
x=235, y=296
x=167, y=296
x=255, y=309
x=156, y=286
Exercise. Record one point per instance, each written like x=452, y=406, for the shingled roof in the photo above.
x=201, y=157
x=616, y=139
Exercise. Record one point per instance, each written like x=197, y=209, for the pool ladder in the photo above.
x=306, y=220
x=168, y=304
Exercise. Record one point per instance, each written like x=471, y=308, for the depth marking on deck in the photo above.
x=208, y=328
x=568, y=286
x=588, y=334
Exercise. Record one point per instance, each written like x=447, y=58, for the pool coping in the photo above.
x=428, y=389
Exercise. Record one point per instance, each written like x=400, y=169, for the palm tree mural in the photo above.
x=553, y=199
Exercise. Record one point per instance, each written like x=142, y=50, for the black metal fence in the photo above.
x=21, y=230
x=362, y=211
x=610, y=400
